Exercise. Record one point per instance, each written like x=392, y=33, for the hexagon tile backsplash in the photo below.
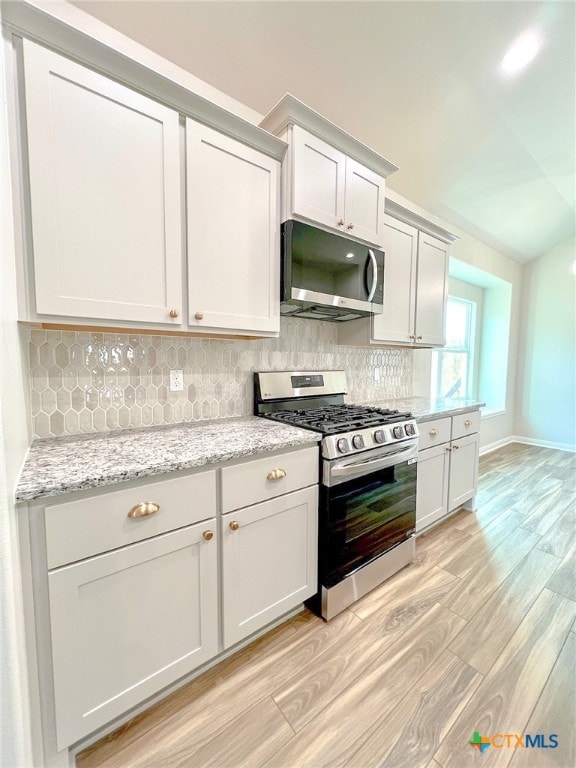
x=95, y=382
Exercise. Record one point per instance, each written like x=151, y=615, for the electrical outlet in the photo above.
x=176, y=381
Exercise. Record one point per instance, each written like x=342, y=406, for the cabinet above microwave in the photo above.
x=328, y=177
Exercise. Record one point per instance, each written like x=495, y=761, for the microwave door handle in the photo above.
x=374, y=274
x=403, y=454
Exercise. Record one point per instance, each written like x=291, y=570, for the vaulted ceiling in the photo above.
x=420, y=82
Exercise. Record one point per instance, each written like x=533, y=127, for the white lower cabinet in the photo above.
x=448, y=471
x=432, y=486
x=132, y=590
x=463, y=470
x=127, y=623
x=269, y=561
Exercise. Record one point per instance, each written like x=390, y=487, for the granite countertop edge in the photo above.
x=426, y=408
x=58, y=466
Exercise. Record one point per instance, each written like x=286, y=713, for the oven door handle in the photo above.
x=363, y=468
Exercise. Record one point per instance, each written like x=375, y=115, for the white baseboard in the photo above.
x=525, y=441
x=496, y=444
x=543, y=443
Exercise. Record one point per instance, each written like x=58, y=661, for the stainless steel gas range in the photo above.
x=368, y=465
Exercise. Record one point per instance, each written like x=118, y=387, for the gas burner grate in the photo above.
x=333, y=419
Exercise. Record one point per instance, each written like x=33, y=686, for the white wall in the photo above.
x=15, y=744
x=546, y=388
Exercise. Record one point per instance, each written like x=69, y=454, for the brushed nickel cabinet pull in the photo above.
x=234, y=525
x=144, y=509
x=350, y=226
x=174, y=313
x=208, y=535
x=340, y=222
x=468, y=423
x=433, y=432
x=276, y=474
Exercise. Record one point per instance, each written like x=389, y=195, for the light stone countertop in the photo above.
x=425, y=408
x=60, y=465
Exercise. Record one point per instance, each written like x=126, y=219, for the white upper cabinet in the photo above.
x=396, y=322
x=364, y=203
x=415, y=287
x=415, y=291
x=431, y=290
x=110, y=173
x=329, y=177
x=332, y=189
x=105, y=195
x=319, y=179
x=233, y=233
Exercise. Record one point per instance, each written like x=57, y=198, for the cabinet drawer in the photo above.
x=88, y=526
x=465, y=424
x=434, y=432
x=252, y=482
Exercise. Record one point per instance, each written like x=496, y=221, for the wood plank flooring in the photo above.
x=476, y=635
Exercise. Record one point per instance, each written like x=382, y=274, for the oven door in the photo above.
x=368, y=506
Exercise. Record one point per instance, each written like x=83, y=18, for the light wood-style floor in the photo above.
x=478, y=634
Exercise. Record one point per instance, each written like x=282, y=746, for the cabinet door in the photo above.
x=431, y=290
x=233, y=233
x=269, y=561
x=432, y=485
x=463, y=470
x=105, y=195
x=127, y=623
x=364, y=203
x=396, y=322
x=319, y=179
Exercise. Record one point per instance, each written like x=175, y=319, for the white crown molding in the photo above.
x=74, y=33
x=401, y=212
x=291, y=111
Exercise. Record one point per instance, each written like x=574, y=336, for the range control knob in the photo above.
x=379, y=436
x=398, y=432
x=358, y=441
x=343, y=445
x=410, y=429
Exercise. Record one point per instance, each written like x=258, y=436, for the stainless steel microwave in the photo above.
x=327, y=276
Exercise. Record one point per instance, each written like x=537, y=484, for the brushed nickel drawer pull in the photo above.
x=468, y=423
x=144, y=509
x=208, y=535
x=234, y=525
x=276, y=474
x=432, y=432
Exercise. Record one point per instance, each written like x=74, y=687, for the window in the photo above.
x=452, y=366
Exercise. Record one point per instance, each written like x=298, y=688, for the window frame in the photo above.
x=468, y=349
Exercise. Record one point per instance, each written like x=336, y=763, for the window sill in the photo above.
x=488, y=414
